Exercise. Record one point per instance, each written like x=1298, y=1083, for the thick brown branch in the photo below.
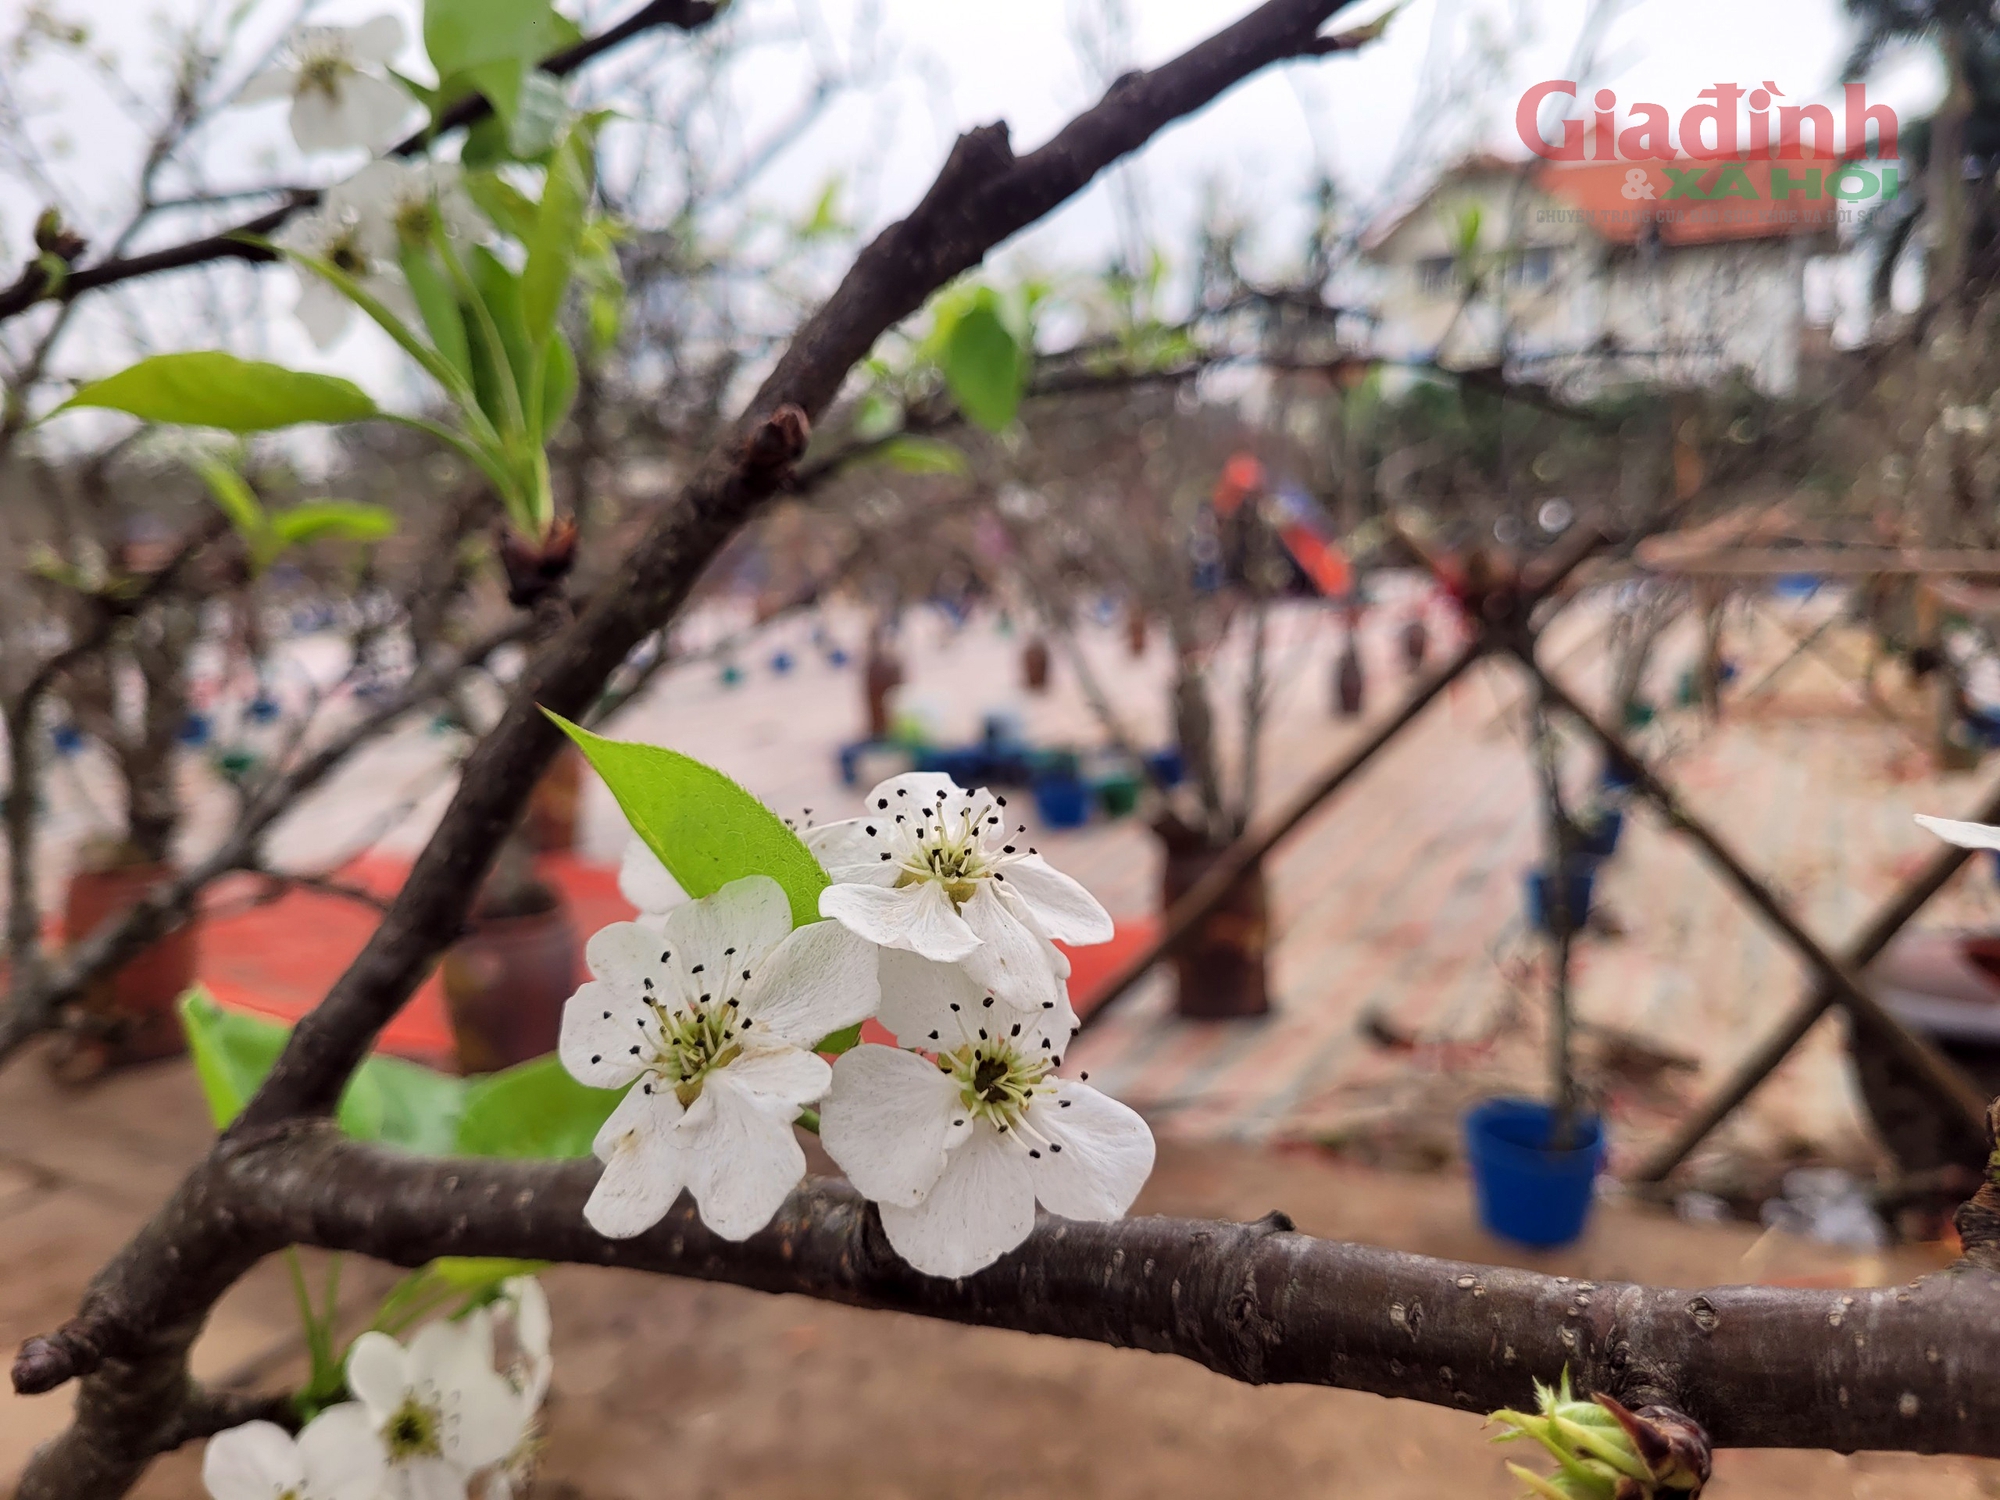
x=1914, y=1367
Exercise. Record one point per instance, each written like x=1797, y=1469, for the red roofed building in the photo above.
x=1601, y=274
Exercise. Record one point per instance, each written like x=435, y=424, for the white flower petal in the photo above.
x=272, y=83
x=886, y=1122
x=600, y=1027
x=253, y=1462
x=645, y=1167
x=917, y=996
x=425, y=1479
x=324, y=311
x=317, y=124
x=1065, y=910
x=1012, y=961
x=645, y=882
x=373, y=192
x=1106, y=1156
x=982, y=1207
x=850, y=853
x=922, y=787
x=743, y=1161
x=785, y=1079
x=1965, y=835
x=750, y=915
x=818, y=980
x=378, y=1373
x=533, y=1325
x=625, y=955
x=370, y=111
x=919, y=918
x=488, y=1416
x=344, y=1459
x=377, y=41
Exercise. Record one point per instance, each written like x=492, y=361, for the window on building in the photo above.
x=1437, y=275
x=1533, y=268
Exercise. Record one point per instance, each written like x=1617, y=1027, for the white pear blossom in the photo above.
x=647, y=884
x=336, y=1457
x=440, y=1409
x=522, y=1314
x=956, y=1148
x=398, y=205
x=334, y=234
x=332, y=75
x=711, y=1018
x=937, y=871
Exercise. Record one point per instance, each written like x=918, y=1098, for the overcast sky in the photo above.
x=956, y=63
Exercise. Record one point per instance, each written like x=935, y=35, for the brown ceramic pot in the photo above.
x=554, y=804
x=1219, y=974
x=504, y=986
x=1035, y=665
x=131, y=1012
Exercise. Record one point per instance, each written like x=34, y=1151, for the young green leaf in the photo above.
x=235, y=499
x=388, y=1100
x=533, y=1110
x=919, y=455
x=511, y=210
x=213, y=389
x=552, y=245
x=705, y=828
x=537, y=121
x=558, y=383
x=984, y=366
x=438, y=305
x=461, y=35
x=348, y=520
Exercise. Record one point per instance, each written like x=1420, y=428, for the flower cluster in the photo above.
x=942, y=923
x=427, y=1422
x=341, y=100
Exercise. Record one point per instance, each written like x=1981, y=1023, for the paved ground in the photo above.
x=1401, y=899
x=678, y=1391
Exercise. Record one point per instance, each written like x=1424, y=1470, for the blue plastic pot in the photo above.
x=1166, y=767
x=1063, y=801
x=1600, y=839
x=1582, y=885
x=1526, y=1192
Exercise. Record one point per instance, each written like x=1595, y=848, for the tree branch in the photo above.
x=1914, y=1367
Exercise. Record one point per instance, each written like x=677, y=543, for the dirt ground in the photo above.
x=671, y=1390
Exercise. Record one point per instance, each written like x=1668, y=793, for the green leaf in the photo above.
x=984, y=367
x=511, y=210
x=705, y=828
x=213, y=389
x=558, y=382
x=533, y=1110
x=461, y=35
x=552, y=244
x=443, y=319
x=403, y=1104
x=388, y=1100
x=917, y=455
x=536, y=123
x=349, y=520
x=235, y=499
x=843, y=1040
x=499, y=292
